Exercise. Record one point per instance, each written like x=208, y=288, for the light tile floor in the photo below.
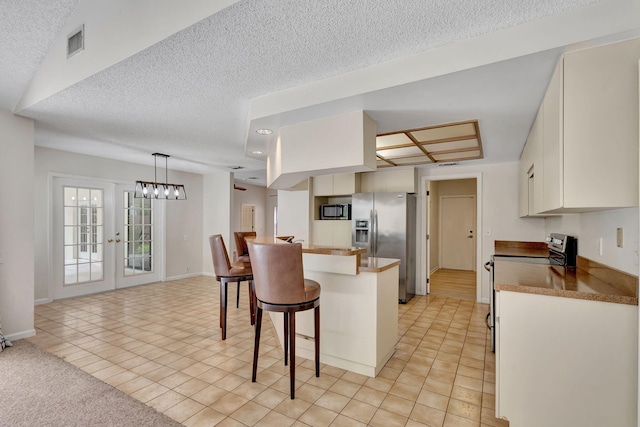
x=161, y=344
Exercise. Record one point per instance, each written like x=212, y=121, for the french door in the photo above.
x=102, y=238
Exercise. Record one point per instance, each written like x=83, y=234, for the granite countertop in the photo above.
x=376, y=265
x=605, y=285
x=312, y=249
x=519, y=249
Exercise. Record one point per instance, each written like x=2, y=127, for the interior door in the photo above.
x=248, y=218
x=82, y=220
x=458, y=234
x=137, y=239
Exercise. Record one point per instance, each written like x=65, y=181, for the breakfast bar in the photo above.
x=358, y=306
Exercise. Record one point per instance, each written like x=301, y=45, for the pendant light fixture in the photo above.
x=159, y=190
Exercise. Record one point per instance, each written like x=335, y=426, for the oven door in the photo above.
x=491, y=316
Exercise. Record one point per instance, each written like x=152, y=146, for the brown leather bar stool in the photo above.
x=280, y=286
x=241, y=244
x=243, y=252
x=226, y=273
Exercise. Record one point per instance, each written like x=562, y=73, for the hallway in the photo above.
x=454, y=284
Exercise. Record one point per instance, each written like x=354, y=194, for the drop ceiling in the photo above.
x=199, y=93
x=449, y=142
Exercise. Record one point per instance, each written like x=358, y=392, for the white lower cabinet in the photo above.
x=566, y=362
x=331, y=233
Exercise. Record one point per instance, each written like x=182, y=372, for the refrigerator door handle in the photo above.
x=371, y=234
x=375, y=234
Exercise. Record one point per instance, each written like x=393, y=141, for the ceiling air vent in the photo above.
x=235, y=168
x=75, y=42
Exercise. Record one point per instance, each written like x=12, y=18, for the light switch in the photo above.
x=619, y=236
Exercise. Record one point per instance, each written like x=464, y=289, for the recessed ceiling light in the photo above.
x=264, y=131
x=256, y=152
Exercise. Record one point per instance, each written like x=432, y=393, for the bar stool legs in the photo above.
x=224, y=290
x=289, y=338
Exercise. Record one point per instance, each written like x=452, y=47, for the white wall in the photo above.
x=183, y=218
x=16, y=226
x=256, y=196
x=216, y=214
x=499, y=210
x=271, y=203
x=590, y=227
x=294, y=214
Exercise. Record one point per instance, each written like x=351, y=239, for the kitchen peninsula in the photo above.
x=358, y=308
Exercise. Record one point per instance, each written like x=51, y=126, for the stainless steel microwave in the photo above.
x=336, y=211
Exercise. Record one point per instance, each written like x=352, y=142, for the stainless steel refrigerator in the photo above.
x=385, y=224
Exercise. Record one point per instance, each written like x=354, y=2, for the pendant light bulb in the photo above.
x=166, y=191
x=145, y=190
x=176, y=192
x=155, y=191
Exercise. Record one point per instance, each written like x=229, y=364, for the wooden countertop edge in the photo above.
x=379, y=269
x=616, y=299
x=333, y=251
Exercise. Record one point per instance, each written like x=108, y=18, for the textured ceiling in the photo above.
x=27, y=28
x=188, y=95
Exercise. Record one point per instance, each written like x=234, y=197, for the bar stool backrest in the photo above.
x=277, y=272
x=241, y=244
x=221, y=264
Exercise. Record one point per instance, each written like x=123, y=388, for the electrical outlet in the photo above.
x=619, y=237
x=186, y=269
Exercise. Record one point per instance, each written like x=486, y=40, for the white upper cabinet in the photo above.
x=552, y=147
x=530, y=170
x=339, y=184
x=389, y=180
x=585, y=139
x=601, y=127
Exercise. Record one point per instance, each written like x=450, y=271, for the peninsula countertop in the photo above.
x=312, y=249
x=568, y=282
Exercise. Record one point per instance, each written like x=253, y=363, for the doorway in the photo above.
x=248, y=218
x=451, y=219
x=102, y=238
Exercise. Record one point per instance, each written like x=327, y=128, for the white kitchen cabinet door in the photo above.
x=322, y=233
x=552, y=142
x=340, y=184
x=345, y=184
x=601, y=126
x=341, y=233
x=556, y=370
x=530, y=171
x=392, y=180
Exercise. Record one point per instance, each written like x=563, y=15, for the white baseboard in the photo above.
x=43, y=301
x=21, y=335
x=209, y=274
x=434, y=270
x=485, y=301
x=183, y=276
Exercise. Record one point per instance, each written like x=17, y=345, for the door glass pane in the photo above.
x=83, y=235
x=138, y=236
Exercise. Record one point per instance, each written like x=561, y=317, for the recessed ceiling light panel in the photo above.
x=264, y=131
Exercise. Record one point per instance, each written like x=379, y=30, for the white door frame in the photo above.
x=161, y=208
x=423, y=273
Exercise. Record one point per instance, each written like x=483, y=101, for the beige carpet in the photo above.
x=40, y=389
